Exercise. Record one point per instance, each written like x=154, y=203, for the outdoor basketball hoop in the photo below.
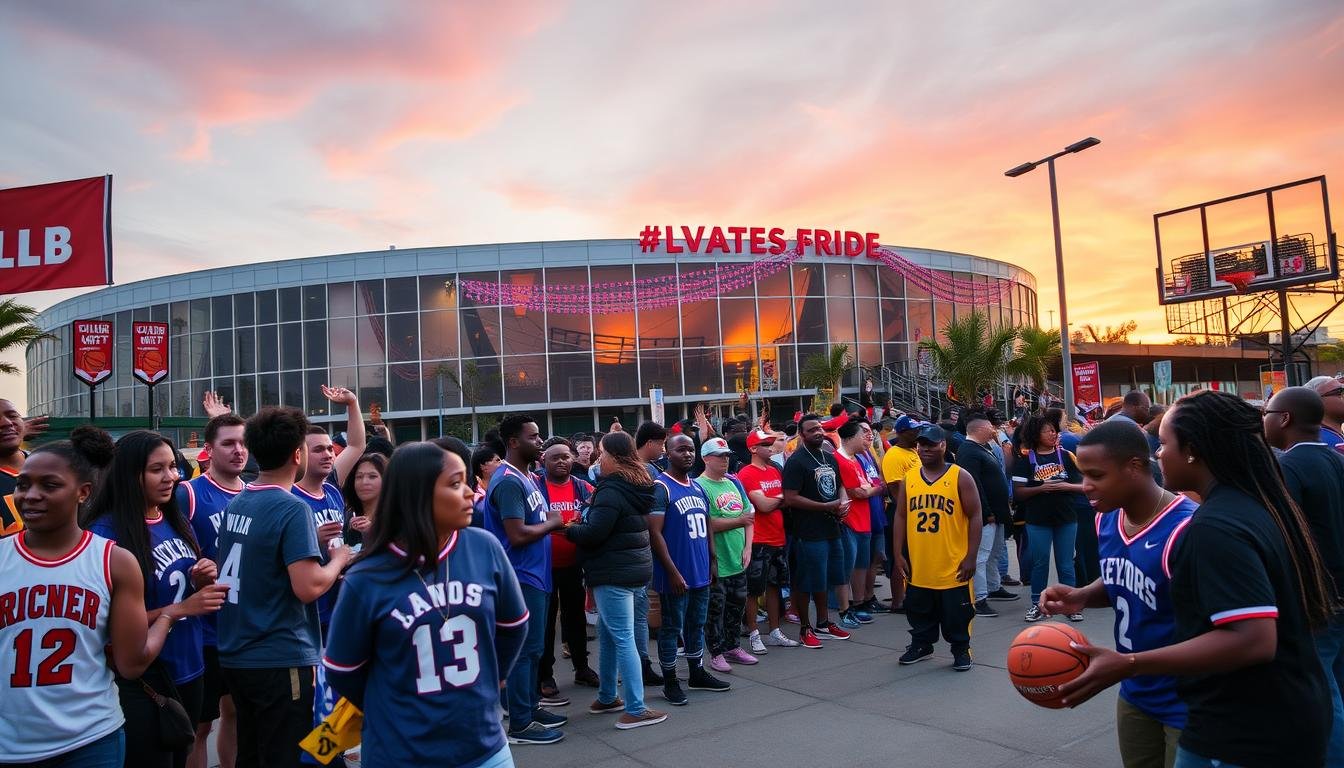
x=1239, y=280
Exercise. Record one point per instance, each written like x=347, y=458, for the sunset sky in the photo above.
x=241, y=132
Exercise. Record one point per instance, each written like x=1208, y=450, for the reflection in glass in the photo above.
x=247, y=395
x=700, y=322
x=314, y=302
x=775, y=285
x=341, y=297
x=291, y=304
x=291, y=388
x=811, y=320
x=402, y=331
x=571, y=377
x=222, y=346
x=315, y=344
x=738, y=318
x=525, y=379
x=618, y=373
x=865, y=280
x=403, y=387
x=435, y=293
x=840, y=320
x=370, y=340
x=740, y=369
x=268, y=388
x=179, y=322
x=702, y=371
x=482, y=378
x=345, y=377
x=839, y=284
x=401, y=294
x=369, y=297
x=437, y=388
x=893, y=320
x=942, y=315
x=523, y=331
x=480, y=331
x=776, y=321
x=807, y=280
x=869, y=322
x=200, y=315
x=198, y=364
x=268, y=350
x=919, y=316
x=291, y=346
x=342, y=341
x=657, y=368
x=438, y=334
x=372, y=386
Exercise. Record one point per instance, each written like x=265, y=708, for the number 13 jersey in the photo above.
x=56, y=688
x=935, y=528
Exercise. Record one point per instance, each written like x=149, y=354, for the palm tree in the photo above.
x=827, y=371
x=17, y=330
x=975, y=355
x=1037, y=352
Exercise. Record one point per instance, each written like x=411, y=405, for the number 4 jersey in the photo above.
x=1137, y=578
x=417, y=651
x=56, y=689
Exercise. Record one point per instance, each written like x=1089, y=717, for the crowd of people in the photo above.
x=423, y=584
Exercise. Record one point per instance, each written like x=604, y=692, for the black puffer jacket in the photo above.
x=613, y=537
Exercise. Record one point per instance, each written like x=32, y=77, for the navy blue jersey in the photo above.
x=327, y=508
x=170, y=574
x=417, y=651
x=263, y=624
x=1137, y=577
x=203, y=501
x=877, y=510
x=513, y=494
x=685, y=512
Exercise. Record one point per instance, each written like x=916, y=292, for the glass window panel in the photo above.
x=807, y=351
x=437, y=387
x=942, y=315
x=776, y=320
x=369, y=298
x=572, y=421
x=839, y=282
x=435, y=293
x=703, y=369
x=402, y=332
x=247, y=395
x=291, y=347
x=225, y=389
x=811, y=320
x=808, y=280
x=244, y=309
x=291, y=389
x=840, y=320
x=222, y=352
x=291, y=304
x=865, y=280
x=568, y=332
x=341, y=300
x=700, y=322
x=342, y=341
x=438, y=334
x=122, y=366
x=913, y=291
x=198, y=389
x=866, y=356
x=741, y=370
x=124, y=401
x=776, y=284
x=896, y=354
x=738, y=318
x=179, y=350
x=657, y=368
x=345, y=377
x=198, y=364
x=266, y=312
x=525, y=379
x=870, y=323
x=482, y=381
x=268, y=389
x=200, y=315
x=314, y=302
x=315, y=344
x=893, y=320
x=919, y=317
x=403, y=387
x=221, y=310
x=480, y=331
x=140, y=400
x=159, y=313
x=617, y=370
x=268, y=350
x=401, y=294
x=571, y=377
x=370, y=340
x=730, y=274
x=658, y=328
x=318, y=404
x=523, y=331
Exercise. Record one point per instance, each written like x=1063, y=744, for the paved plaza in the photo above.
x=851, y=704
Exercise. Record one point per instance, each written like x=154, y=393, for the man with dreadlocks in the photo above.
x=1248, y=586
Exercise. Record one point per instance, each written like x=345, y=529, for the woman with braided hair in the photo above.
x=1248, y=587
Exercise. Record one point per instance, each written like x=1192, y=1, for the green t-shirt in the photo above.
x=726, y=500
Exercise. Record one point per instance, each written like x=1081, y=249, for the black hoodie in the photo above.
x=613, y=537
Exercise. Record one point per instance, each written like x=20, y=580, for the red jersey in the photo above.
x=564, y=552
x=852, y=476
x=769, y=526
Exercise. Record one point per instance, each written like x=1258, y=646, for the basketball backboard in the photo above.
x=1266, y=240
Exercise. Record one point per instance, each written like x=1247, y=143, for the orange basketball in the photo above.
x=1040, y=660
x=94, y=360
x=151, y=360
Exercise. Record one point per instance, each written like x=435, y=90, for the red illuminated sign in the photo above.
x=758, y=240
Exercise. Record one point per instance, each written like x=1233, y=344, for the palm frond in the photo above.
x=17, y=330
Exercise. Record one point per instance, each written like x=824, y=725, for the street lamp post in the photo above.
x=1067, y=358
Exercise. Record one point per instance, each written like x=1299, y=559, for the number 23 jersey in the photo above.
x=430, y=690
x=935, y=528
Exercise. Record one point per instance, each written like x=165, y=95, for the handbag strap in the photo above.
x=159, y=699
x=171, y=689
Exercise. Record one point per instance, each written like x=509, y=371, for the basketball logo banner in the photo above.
x=56, y=235
x=93, y=350
x=150, y=357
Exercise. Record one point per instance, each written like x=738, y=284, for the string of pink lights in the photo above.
x=664, y=291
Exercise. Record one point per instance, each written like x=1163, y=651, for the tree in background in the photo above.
x=976, y=355
x=1116, y=335
x=827, y=371
x=17, y=330
x=1038, y=350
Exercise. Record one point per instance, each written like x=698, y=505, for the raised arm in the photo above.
x=355, y=439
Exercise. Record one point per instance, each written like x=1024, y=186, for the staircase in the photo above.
x=926, y=395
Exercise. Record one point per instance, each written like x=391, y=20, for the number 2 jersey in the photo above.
x=1137, y=577
x=56, y=688
x=429, y=686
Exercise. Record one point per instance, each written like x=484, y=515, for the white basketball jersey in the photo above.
x=56, y=688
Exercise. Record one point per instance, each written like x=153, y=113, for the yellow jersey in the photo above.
x=935, y=528
x=10, y=522
x=897, y=462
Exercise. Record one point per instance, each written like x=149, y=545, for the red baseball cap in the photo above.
x=759, y=437
x=204, y=455
x=830, y=425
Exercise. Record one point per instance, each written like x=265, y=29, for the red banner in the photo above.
x=1087, y=385
x=93, y=350
x=56, y=235
x=150, y=359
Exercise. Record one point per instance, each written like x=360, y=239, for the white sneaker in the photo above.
x=778, y=639
x=757, y=646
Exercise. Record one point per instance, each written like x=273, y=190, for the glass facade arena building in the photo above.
x=395, y=327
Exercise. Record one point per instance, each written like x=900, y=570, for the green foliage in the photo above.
x=827, y=371
x=975, y=354
x=17, y=330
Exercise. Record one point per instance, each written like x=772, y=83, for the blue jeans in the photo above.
x=984, y=573
x=1330, y=647
x=522, y=680
x=501, y=759
x=616, y=617
x=683, y=615
x=1187, y=759
x=1039, y=540
x=1003, y=551
x=642, y=623
x=107, y=752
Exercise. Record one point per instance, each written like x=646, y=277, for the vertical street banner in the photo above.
x=657, y=410
x=56, y=235
x=92, y=351
x=1162, y=375
x=1087, y=385
x=150, y=352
